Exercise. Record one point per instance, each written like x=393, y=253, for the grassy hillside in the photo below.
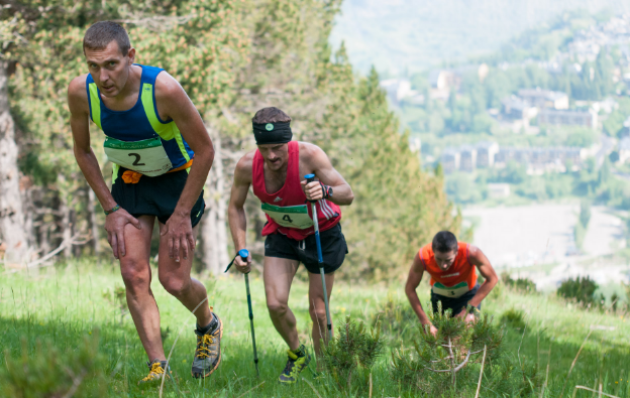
x=399, y=35
x=61, y=307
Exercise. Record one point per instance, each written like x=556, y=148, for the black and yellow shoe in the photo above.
x=157, y=370
x=298, y=360
x=208, y=353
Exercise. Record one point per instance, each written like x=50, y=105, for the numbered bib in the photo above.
x=454, y=291
x=147, y=156
x=289, y=216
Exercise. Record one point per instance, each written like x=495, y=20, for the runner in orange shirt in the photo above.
x=451, y=266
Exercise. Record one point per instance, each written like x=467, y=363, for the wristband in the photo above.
x=471, y=309
x=113, y=209
x=327, y=191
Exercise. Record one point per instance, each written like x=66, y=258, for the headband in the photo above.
x=272, y=133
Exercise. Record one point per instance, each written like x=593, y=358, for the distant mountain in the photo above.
x=409, y=35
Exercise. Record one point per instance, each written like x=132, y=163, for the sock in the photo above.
x=208, y=327
x=298, y=351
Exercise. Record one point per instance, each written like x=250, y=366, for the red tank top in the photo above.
x=287, y=210
x=460, y=278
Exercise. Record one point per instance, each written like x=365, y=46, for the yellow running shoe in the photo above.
x=296, y=364
x=208, y=353
x=156, y=371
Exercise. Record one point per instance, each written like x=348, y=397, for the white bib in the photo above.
x=147, y=156
x=289, y=216
x=451, y=291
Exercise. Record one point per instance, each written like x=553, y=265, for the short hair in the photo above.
x=99, y=35
x=270, y=115
x=444, y=242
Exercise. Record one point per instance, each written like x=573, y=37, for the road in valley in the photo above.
x=526, y=237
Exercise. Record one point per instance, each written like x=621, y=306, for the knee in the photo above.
x=176, y=286
x=135, y=279
x=277, y=308
x=318, y=314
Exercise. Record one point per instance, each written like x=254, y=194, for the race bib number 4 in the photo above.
x=289, y=216
x=147, y=156
x=454, y=291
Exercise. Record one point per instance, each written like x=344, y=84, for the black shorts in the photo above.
x=155, y=196
x=334, y=249
x=456, y=304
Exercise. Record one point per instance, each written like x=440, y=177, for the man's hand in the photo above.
x=115, y=227
x=470, y=318
x=432, y=329
x=462, y=314
x=243, y=266
x=312, y=190
x=467, y=317
x=179, y=235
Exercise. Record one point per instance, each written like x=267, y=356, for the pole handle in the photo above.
x=244, y=253
x=310, y=178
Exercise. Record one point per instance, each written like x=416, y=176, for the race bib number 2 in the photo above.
x=289, y=216
x=147, y=156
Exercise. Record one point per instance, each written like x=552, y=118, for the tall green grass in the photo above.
x=57, y=317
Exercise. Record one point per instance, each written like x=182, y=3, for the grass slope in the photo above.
x=62, y=306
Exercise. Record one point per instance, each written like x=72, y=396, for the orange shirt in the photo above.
x=460, y=278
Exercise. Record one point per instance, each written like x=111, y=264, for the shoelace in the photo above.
x=202, y=346
x=289, y=367
x=156, y=371
x=291, y=362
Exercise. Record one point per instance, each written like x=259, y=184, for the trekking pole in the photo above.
x=310, y=178
x=244, y=255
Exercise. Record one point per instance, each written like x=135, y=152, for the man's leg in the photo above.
x=278, y=274
x=317, y=307
x=136, y=274
x=175, y=277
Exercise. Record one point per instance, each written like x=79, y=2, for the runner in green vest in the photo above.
x=152, y=134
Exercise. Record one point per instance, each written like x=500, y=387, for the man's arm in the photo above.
x=320, y=165
x=173, y=103
x=413, y=280
x=80, y=125
x=478, y=259
x=236, y=211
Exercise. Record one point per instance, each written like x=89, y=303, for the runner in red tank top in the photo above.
x=276, y=170
x=451, y=266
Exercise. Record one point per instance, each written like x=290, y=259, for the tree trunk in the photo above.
x=12, y=228
x=96, y=245
x=66, y=224
x=214, y=253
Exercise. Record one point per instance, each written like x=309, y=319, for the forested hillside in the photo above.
x=232, y=57
x=400, y=36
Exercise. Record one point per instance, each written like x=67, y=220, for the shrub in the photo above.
x=436, y=365
x=513, y=318
x=581, y=290
x=525, y=285
x=53, y=372
x=349, y=357
x=396, y=320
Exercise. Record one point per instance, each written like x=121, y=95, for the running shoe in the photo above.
x=295, y=364
x=208, y=352
x=156, y=371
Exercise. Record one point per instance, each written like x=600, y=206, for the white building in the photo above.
x=568, y=118
x=624, y=150
x=486, y=152
x=498, y=191
x=545, y=98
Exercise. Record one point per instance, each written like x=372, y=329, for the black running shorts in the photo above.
x=155, y=196
x=456, y=304
x=334, y=249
